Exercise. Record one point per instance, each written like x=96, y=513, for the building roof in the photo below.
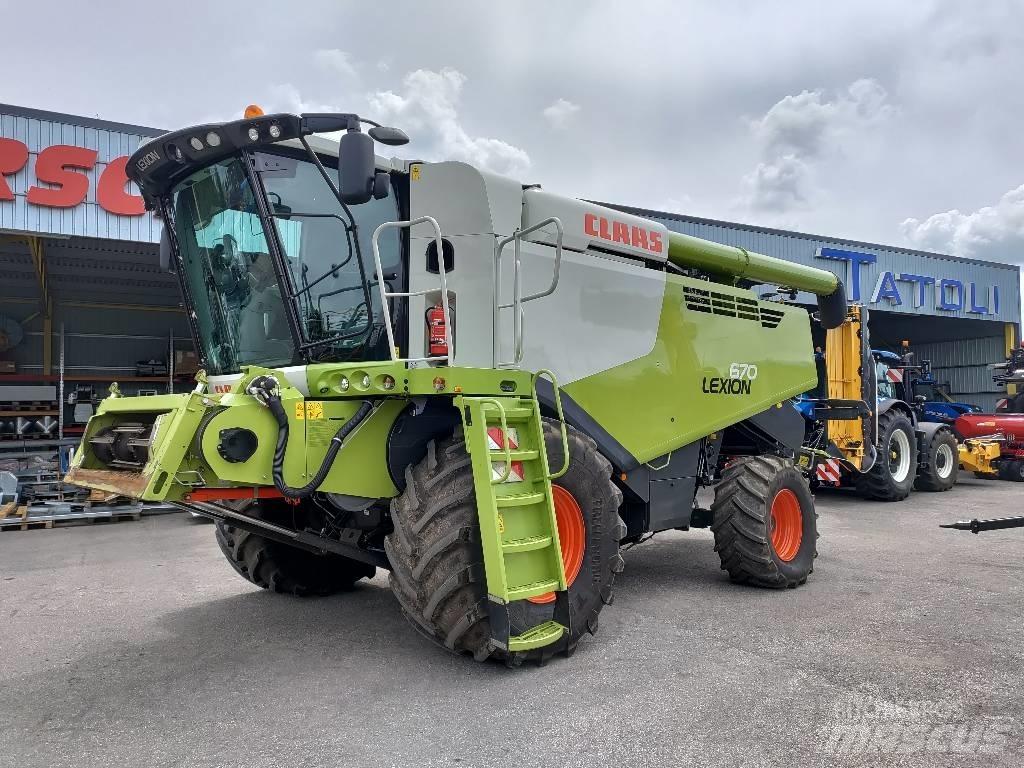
x=87, y=122
x=650, y=213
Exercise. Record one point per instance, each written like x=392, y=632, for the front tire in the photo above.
x=437, y=562
x=892, y=476
x=942, y=463
x=280, y=567
x=765, y=525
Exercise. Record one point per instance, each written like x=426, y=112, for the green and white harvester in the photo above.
x=483, y=387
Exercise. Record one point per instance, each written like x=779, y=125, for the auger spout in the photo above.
x=731, y=261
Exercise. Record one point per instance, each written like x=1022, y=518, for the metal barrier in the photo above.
x=516, y=305
x=386, y=294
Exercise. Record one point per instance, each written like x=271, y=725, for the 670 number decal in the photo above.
x=743, y=371
x=738, y=383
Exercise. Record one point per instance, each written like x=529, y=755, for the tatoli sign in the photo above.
x=61, y=180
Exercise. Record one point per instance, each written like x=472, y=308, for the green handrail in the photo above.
x=561, y=422
x=485, y=401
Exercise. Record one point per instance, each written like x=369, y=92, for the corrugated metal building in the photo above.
x=962, y=314
x=79, y=271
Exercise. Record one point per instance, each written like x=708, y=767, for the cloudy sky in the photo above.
x=892, y=122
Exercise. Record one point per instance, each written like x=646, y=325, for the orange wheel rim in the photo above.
x=787, y=521
x=572, y=538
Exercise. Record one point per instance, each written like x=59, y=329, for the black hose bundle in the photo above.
x=265, y=389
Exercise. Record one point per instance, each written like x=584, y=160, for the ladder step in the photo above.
x=526, y=544
x=537, y=637
x=519, y=499
x=532, y=590
x=511, y=414
x=499, y=455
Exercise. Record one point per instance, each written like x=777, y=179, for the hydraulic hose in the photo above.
x=265, y=389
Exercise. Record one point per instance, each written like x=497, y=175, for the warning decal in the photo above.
x=309, y=409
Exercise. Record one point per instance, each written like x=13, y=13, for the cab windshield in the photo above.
x=886, y=389
x=242, y=301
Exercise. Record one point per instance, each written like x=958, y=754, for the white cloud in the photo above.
x=336, y=61
x=285, y=97
x=427, y=108
x=800, y=130
x=561, y=113
x=994, y=232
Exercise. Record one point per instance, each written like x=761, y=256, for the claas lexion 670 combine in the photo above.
x=483, y=387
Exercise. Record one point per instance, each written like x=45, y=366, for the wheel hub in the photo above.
x=943, y=461
x=786, y=525
x=899, y=456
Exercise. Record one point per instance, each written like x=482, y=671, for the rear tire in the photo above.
x=437, y=562
x=1012, y=470
x=749, y=517
x=942, y=464
x=892, y=476
x=280, y=567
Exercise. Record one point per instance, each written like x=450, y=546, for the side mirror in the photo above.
x=356, y=167
x=165, y=250
x=381, y=185
x=919, y=399
x=393, y=137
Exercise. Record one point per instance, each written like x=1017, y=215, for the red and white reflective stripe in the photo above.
x=515, y=475
x=496, y=442
x=894, y=375
x=828, y=471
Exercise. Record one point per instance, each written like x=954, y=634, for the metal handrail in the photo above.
x=561, y=421
x=386, y=294
x=516, y=305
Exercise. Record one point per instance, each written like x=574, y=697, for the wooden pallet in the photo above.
x=97, y=496
x=28, y=525
x=20, y=521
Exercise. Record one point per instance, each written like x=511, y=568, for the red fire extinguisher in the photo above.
x=437, y=343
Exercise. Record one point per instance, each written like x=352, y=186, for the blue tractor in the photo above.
x=931, y=402
x=865, y=423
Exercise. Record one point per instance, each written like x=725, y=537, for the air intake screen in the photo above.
x=715, y=303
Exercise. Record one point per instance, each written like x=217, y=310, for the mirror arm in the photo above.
x=327, y=177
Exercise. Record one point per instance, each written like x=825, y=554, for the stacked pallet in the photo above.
x=104, y=507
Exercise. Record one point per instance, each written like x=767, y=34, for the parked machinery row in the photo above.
x=868, y=427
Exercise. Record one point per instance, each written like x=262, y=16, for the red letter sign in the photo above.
x=13, y=156
x=70, y=187
x=111, y=193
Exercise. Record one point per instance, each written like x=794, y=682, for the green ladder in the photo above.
x=519, y=532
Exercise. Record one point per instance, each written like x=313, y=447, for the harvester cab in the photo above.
x=867, y=433
x=475, y=384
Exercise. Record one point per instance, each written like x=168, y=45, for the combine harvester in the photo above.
x=867, y=433
x=478, y=385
